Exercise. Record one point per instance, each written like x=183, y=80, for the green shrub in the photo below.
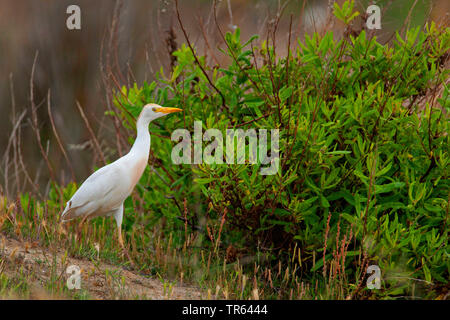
x=357, y=143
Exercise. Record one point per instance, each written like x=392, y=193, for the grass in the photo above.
x=209, y=270
x=154, y=255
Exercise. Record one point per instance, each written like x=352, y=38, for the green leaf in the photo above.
x=324, y=202
x=338, y=152
x=388, y=187
x=204, y=180
x=285, y=93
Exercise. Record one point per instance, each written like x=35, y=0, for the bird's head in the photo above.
x=154, y=111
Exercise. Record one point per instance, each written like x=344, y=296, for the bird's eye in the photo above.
x=153, y=109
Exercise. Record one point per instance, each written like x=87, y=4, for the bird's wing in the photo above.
x=102, y=191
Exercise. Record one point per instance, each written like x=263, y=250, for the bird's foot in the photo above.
x=126, y=255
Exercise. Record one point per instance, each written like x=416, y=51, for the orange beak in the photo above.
x=168, y=110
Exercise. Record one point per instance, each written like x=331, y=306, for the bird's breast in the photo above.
x=137, y=170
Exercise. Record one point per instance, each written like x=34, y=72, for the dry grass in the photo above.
x=30, y=271
x=33, y=240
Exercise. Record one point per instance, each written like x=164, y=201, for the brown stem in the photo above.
x=91, y=132
x=34, y=122
x=196, y=58
x=58, y=139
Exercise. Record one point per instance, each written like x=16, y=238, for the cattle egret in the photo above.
x=103, y=193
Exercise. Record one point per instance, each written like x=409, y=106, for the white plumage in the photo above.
x=103, y=193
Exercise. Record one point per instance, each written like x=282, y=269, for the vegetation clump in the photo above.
x=363, y=151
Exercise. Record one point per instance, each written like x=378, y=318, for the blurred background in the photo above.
x=134, y=39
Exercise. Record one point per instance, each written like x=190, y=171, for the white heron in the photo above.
x=103, y=192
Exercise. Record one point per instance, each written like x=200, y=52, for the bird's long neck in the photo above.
x=141, y=146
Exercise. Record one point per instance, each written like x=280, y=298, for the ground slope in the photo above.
x=44, y=271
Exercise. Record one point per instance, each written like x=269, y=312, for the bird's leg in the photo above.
x=124, y=249
x=120, y=238
x=80, y=227
x=118, y=215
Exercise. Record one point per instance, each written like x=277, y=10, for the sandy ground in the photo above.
x=100, y=280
